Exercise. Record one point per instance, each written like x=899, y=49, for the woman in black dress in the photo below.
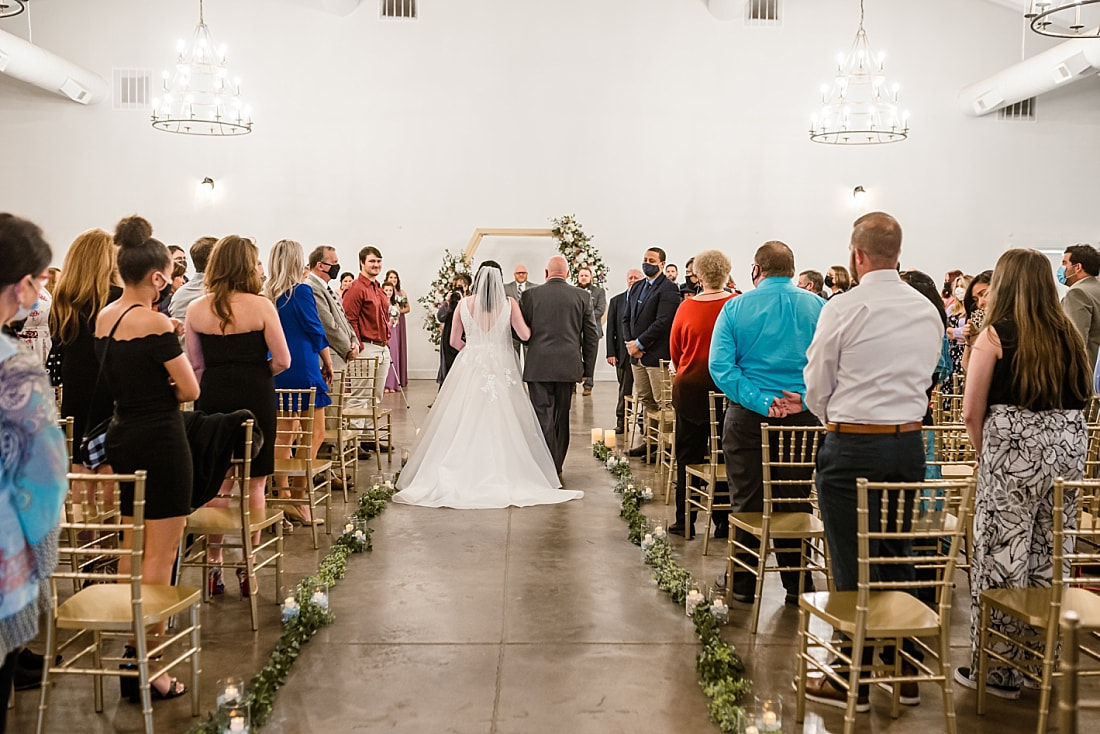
x=149, y=376
x=87, y=284
x=229, y=333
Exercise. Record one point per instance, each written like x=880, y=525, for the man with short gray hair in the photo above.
x=324, y=266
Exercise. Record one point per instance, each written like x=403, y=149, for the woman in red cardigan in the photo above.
x=690, y=345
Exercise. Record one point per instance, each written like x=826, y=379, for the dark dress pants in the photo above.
x=7, y=671
x=625, y=376
x=693, y=447
x=843, y=458
x=744, y=468
x=552, y=401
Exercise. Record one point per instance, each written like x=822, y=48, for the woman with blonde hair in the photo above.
x=1027, y=383
x=229, y=333
x=310, y=361
x=88, y=282
x=956, y=330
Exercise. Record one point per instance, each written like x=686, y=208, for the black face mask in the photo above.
x=828, y=281
x=333, y=270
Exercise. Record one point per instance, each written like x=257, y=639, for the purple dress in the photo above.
x=399, y=352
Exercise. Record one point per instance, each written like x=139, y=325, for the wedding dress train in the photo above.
x=482, y=446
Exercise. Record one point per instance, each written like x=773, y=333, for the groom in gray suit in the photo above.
x=560, y=353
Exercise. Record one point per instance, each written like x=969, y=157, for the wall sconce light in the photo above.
x=207, y=184
x=859, y=194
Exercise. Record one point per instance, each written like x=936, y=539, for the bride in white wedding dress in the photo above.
x=482, y=446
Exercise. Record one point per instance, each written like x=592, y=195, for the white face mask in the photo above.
x=960, y=294
x=24, y=311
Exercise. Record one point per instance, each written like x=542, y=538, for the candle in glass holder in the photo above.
x=609, y=438
x=237, y=725
x=597, y=435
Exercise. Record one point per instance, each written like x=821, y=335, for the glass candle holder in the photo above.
x=769, y=714
x=238, y=721
x=318, y=596
x=694, y=598
x=230, y=692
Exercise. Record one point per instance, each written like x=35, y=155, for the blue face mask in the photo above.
x=650, y=270
x=1061, y=275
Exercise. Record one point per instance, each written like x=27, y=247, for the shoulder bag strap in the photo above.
x=103, y=359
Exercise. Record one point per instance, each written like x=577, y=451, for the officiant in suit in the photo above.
x=516, y=289
x=560, y=353
x=647, y=323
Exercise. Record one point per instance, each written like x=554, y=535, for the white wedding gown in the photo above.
x=482, y=446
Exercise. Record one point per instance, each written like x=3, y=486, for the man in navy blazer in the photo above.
x=647, y=323
x=617, y=355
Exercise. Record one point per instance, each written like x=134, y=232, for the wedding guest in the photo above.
x=949, y=285
x=617, y=355
x=149, y=376
x=324, y=264
x=398, y=376
x=1080, y=266
x=179, y=277
x=368, y=312
x=34, y=331
x=599, y=306
x=179, y=257
x=977, y=296
x=229, y=334
x=756, y=358
x=87, y=284
x=310, y=360
x=346, y=280
x=395, y=315
x=867, y=374
x=672, y=272
x=460, y=288
x=689, y=345
x=33, y=454
x=956, y=322
x=691, y=284
x=651, y=306
x=1027, y=385
x=812, y=281
x=515, y=290
x=195, y=287
x=51, y=281
x=837, y=280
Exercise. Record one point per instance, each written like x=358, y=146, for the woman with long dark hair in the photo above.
x=399, y=339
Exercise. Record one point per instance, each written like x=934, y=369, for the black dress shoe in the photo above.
x=679, y=529
x=722, y=531
x=371, y=446
x=620, y=430
x=636, y=452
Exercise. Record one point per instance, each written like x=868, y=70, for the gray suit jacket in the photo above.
x=599, y=304
x=564, y=337
x=1082, y=305
x=337, y=329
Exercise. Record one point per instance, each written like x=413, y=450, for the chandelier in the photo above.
x=859, y=108
x=200, y=98
x=9, y=8
x=1042, y=14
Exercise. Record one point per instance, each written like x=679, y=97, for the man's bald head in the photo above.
x=557, y=267
x=878, y=236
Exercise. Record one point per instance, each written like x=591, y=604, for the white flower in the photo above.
x=568, y=236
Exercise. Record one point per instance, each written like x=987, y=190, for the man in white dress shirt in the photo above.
x=867, y=377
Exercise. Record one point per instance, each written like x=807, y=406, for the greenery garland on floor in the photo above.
x=721, y=670
x=259, y=696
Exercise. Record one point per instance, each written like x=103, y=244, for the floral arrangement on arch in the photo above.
x=576, y=247
x=438, y=292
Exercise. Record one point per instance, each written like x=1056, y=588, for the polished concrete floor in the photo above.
x=530, y=620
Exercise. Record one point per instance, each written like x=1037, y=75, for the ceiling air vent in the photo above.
x=762, y=12
x=397, y=9
x=1020, y=112
x=131, y=89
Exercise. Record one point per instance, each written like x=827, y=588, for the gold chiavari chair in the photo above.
x=116, y=606
x=1069, y=704
x=708, y=475
x=660, y=424
x=341, y=441
x=1092, y=411
x=66, y=425
x=949, y=451
x=1075, y=577
x=947, y=408
x=295, y=414
x=789, y=458
x=360, y=379
x=631, y=416
x=238, y=518
x=886, y=611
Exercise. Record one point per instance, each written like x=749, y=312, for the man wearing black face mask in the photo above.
x=324, y=265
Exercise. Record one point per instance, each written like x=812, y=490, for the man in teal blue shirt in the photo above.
x=757, y=355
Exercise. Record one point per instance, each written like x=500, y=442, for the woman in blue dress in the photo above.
x=310, y=362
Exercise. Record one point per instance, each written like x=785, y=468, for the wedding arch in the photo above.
x=573, y=244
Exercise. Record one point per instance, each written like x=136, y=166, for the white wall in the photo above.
x=650, y=120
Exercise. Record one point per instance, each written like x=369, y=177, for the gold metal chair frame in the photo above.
x=709, y=475
x=796, y=448
x=885, y=612
x=299, y=405
x=360, y=379
x=112, y=605
x=341, y=443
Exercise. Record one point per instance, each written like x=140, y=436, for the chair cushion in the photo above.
x=783, y=524
x=107, y=606
x=889, y=613
x=223, y=520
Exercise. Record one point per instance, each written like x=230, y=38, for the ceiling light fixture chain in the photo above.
x=12, y=8
x=859, y=108
x=1044, y=15
x=200, y=98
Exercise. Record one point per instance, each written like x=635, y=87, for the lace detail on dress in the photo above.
x=489, y=352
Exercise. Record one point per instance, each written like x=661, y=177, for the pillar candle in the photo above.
x=597, y=435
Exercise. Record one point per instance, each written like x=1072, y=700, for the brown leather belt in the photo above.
x=376, y=342
x=868, y=428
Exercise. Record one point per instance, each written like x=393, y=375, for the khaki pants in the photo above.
x=647, y=382
x=367, y=351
